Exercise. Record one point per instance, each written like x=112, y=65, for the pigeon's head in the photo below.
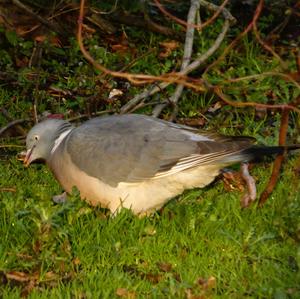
x=43, y=137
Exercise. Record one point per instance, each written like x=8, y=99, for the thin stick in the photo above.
x=188, y=50
x=8, y=189
x=10, y=145
x=278, y=161
x=12, y=124
x=191, y=67
x=217, y=90
x=220, y=9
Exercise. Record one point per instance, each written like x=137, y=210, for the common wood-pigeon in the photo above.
x=134, y=161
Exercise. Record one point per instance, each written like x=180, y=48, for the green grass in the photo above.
x=202, y=245
x=76, y=251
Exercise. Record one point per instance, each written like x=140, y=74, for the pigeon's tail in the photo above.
x=256, y=152
x=260, y=151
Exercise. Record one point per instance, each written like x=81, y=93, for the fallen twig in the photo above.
x=220, y=9
x=217, y=91
x=12, y=124
x=19, y=129
x=8, y=189
x=265, y=74
x=188, y=50
x=10, y=145
x=279, y=159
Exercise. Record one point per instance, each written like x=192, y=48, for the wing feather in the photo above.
x=133, y=148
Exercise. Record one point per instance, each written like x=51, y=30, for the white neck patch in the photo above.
x=58, y=140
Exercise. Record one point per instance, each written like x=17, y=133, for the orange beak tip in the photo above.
x=25, y=156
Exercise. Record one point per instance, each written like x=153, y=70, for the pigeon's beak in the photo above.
x=27, y=158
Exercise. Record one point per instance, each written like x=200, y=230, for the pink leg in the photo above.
x=250, y=194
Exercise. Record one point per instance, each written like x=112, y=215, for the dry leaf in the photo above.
x=53, y=40
x=18, y=276
x=193, y=122
x=8, y=189
x=115, y=93
x=119, y=48
x=209, y=283
x=215, y=107
x=76, y=261
x=123, y=292
x=154, y=278
x=233, y=181
x=168, y=47
x=165, y=267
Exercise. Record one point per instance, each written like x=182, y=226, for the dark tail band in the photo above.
x=255, y=152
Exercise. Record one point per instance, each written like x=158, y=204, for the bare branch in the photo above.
x=279, y=159
x=11, y=124
x=209, y=6
x=188, y=50
x=184, y=71
x=224, y=98
x=134, y=78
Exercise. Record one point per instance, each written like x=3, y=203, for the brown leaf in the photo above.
x=53, y=40
x=193, y=122
x=8, y=189
x=215, y=107
x=76, y=261
x=119, y=48
x=168, y=47
x=165, y=267
x=88, y=29
x=209, y=283
x=115, y=93
x=154, y=278
x=18, y=276
x=124, y=293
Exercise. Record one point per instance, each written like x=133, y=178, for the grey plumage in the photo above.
x=134, y=161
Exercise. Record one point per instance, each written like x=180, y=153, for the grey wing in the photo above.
x=134, y=148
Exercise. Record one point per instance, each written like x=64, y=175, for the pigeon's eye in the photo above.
x=36, y=137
